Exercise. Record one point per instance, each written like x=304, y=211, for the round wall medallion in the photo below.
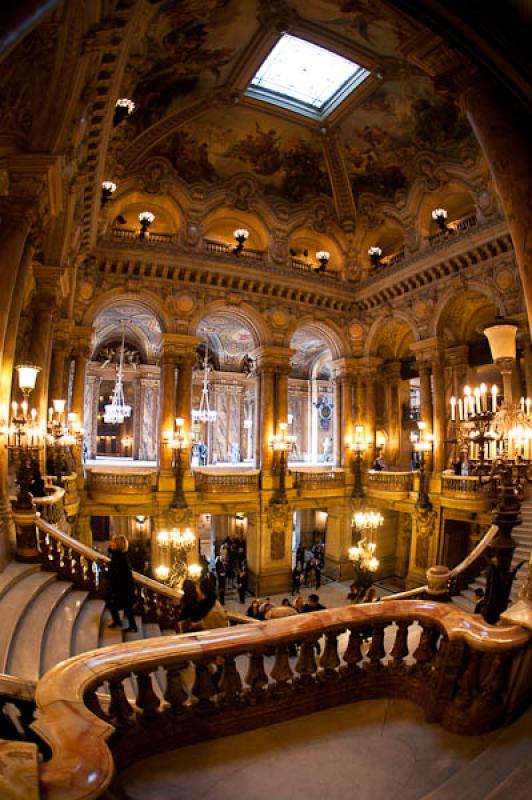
x=420, y=310
x=279, y=318
x=356, y=330
x=504, y=279
x=86, y=290
x=184, y=303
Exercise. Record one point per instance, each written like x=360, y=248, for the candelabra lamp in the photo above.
x=63, y=434
x=282, y=443
x=177, y=441
x=323, y=257
x=175, y=545
x=362, y=554
x=359, y=446
x=240, y=235
x=423, y=443
x=375, y=254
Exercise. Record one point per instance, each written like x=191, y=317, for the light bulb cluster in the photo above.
x=363, y=556
x=282, y=441
x=176, y=539
x=475, y=402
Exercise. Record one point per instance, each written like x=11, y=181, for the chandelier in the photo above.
x=362, y=554
x=204, y=412
x=174, y=545
x=118, y=410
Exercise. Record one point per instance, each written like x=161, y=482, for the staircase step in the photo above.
x=14, y=604
x=59, y=635
x=24, y=658
x=87, y=627
x=518, y=784
x=13, y=573
x=485, y=774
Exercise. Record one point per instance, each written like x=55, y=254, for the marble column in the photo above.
x=272, y=367
x=507, y=151
x=56, y=389
x=439, y=427
x=167, y=409
x=266, y=422
x=82, y=352
x=15, y=261
x=425, y=400
x=527, y=359
x=392, y=373
x=371, y=416
x=184, y=390
x=281, y=397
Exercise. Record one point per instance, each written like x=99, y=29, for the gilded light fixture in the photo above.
x=146, y=218
x=375, y=254
x=240, y=235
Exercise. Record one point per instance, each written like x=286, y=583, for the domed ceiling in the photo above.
x=194, y=59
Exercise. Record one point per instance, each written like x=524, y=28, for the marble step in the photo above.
x=518, y=784
x=13, y=573
x=485, y=774
x=59, y=635
x=24, y=658
x=86, y=633
x=13, y=606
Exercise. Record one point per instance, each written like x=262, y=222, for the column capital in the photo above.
x=51, y=284
x=458, y=355
x=429, y=350
x=392, y=370
x=272, y=358
x=82, y=336
x=179, y=346
x=32, y=174
x=346, y=367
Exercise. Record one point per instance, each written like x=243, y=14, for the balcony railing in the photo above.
x=464, y=674
x=213, y=483
x=223, y=249
x=121, y=482
x=127, y=234
x=457, y=227
x=465, y=486
x=52, y=508
x=390, y=481
x=303, y=266
x=327, y=479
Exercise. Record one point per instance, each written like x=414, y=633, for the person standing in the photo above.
x=296, y=579
x=242, y=584
x=317, y=572
x=120, y=590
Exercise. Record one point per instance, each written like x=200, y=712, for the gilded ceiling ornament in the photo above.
x=279, y=318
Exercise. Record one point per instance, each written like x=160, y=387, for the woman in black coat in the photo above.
x=120, y=589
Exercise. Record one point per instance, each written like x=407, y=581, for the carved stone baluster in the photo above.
x=329, y=659
x=147, y=700
x=306, y=663
x=468, y=683
x=493, y=672
x=424, y=652
x=399, y=650
x=256, y=677
x=376, y=650
x=94, y=576
x=203, y=688
x=93, y=704
x=76, y=569
x=119, y=709
x=176, y=694
x=353, y=652
x=282, y=671
x=230, y=682
x=44, y=545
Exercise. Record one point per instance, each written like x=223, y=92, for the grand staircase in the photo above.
x=45, y=619
x=523, y=536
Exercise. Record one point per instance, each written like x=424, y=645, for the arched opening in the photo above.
x=311, y=416
x=224, y=407
x=135, y=437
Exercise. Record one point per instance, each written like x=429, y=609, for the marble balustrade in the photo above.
x=455, y=667
x=390, y=481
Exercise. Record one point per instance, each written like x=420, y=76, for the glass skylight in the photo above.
x=305, y=78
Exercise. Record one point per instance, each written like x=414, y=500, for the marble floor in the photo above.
x=372, y=750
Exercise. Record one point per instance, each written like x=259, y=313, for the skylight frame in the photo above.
x=293, y=102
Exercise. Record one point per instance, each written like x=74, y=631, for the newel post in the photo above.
x=26, y=534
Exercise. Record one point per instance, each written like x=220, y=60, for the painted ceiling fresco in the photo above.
x=193, y=46
x=141, y=331
x=188, y=47
x=284, y=157
x=308, y=349
x=402, y=119
x=229, y=340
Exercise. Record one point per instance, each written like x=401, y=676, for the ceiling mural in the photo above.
x=187, y=48
x=142, y=329
x=229, y=341
x=285, y=158
x=308, y=349
x=402, y=119
x=369, y=23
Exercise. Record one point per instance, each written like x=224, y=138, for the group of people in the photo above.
x=265, y=609
x=307, y=571
x=230, y=569
x=199, y=608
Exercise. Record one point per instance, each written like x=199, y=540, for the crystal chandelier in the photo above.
x=118, y=410
x=204, y=413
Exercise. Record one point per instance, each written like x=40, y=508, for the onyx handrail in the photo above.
x=455, y=669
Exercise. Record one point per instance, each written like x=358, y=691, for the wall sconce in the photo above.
x=439, y=215
x=358, y=445
x=323, y=257
x=146, y=218
x=108, y=187
x=123, y=108
x=375, y=254
x=281, y=443
x=27, y=377
x=240, y=234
